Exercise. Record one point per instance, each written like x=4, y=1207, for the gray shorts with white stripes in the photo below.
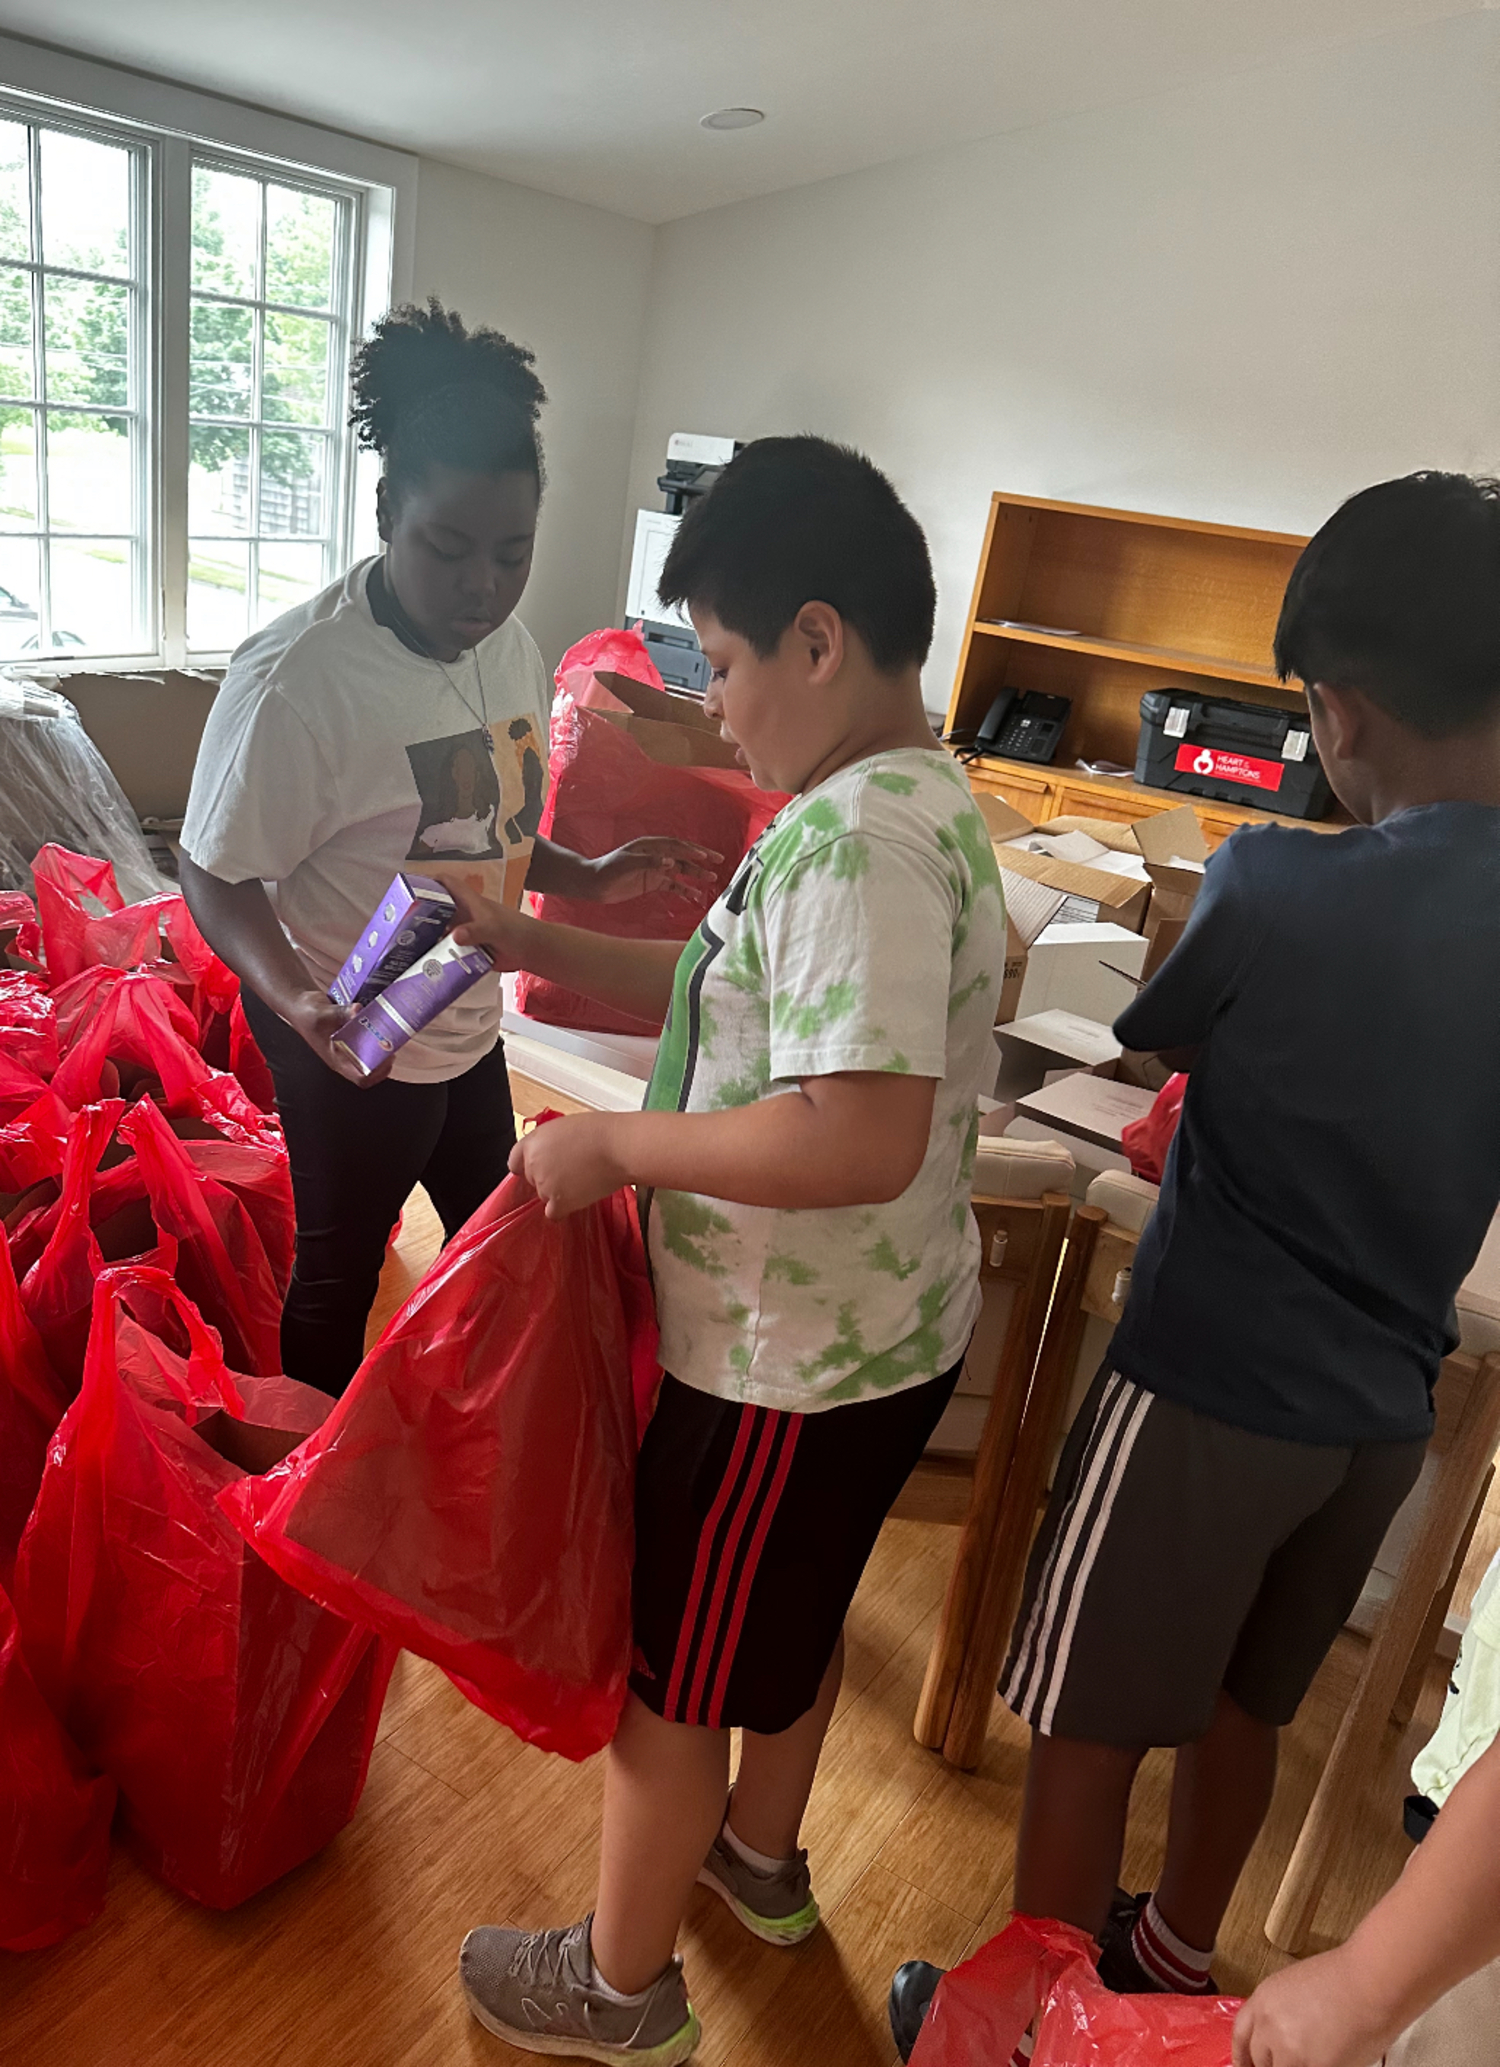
x=1181, y=1556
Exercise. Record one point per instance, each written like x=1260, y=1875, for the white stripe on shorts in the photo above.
x=1016, y=1692
x=1035, y=1688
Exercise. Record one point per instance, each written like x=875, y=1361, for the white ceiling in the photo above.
x=599, y=100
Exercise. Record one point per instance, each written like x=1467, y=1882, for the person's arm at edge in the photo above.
x=1438, y=1924
x=634, y=976
x=654, y=862
x=856, y=1139
x=1172, y=1016
x=238, y=923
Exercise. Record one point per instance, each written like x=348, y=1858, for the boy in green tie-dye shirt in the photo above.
x=804, y=1163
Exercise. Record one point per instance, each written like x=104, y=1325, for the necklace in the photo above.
x=394, y=613
x=482, y=715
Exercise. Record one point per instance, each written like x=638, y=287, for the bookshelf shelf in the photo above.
x=1160, y=602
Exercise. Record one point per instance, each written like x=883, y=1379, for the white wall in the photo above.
x=1238, y=303
x=570, y=282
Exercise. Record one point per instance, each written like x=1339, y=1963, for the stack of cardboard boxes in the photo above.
x=1093, y=909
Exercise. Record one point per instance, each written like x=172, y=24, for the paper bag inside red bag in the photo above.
x=471, y=1495
x=236, y=1717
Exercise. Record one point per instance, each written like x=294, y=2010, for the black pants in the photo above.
x=356, y=1158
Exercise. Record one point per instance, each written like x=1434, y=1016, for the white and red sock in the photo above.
x=1021, y=2057
x=1174, y=1966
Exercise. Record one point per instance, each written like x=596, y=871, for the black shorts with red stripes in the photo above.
x=752, y=1530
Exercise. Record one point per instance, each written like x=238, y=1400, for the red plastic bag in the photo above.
x=85, y=921
x=31, y=1405
x=28, y=1023
x=236, y=1717
x=216, y=984
x=20, y=935
x=54, y=1818
x=134, y=1028
x=57, y=1290
x=1045, y=1971
x=33, y=1144
x=246, y=1061
x=471, y=1495
x=606, y=789
x=259, y=1176
x=222, y=1264
x=1146, y=1141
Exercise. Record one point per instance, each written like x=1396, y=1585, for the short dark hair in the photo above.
x=428, y=391
x=1399, y=595
x=801, y=520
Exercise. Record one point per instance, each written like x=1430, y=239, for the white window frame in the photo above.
x=175, y=125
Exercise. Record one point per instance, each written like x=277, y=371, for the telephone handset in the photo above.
x=1024, y=725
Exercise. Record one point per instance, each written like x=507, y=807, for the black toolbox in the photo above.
x=1237, y=753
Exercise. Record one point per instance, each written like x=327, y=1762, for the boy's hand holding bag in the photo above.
x=471, y=1495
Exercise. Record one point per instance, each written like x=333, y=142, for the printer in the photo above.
x=694, y=462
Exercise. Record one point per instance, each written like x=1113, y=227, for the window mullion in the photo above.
x=39, y=381
x=172, y=443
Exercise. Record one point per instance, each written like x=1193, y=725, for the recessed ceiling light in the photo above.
x=733, y=118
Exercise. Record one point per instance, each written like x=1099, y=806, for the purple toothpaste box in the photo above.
x=412, y=917
x=410, y=1002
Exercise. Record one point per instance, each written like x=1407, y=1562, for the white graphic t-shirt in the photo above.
x=865, y=930
x=334, y=756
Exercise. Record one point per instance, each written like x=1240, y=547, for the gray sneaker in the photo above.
x=777, y=1907
x=532, y=1988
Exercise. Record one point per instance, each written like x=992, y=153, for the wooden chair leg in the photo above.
x=1356, y=1749
x=1405, y=1706
x=996, y=1448
x=1010, y=1533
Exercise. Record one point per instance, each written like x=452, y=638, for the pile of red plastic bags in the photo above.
x=146, y=1652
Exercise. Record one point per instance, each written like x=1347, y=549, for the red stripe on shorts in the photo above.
x=791, y=1430
x=700, y=1566
x=737, y=1526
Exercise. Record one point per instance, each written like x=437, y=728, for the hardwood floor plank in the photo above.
x=350, y=1962
x=832, y=2008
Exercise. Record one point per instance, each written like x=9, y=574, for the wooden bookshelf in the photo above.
x=1141, y=602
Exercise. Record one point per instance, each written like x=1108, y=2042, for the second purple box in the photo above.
x=410, y=920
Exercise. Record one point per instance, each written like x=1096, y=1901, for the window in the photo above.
x=176, y=320
x=73, y=435
x=269, y=364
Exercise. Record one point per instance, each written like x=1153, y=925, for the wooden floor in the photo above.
x=350, y=1961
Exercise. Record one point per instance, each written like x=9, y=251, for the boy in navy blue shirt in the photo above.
x=1267, y=1398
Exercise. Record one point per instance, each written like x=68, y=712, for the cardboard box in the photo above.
x=1051, y=1044
x=1099, y=893
x=1076, y=969
x=1089, y=1107
x=1175, y=853
x=1030, y=907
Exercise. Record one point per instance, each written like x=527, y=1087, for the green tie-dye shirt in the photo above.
x=864, y=931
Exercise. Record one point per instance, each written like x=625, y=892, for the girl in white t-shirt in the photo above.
x=398, y=719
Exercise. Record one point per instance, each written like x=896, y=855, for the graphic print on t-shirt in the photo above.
x=460, y=792
x=480, y=806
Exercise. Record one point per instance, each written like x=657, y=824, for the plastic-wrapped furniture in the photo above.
x=56, y=787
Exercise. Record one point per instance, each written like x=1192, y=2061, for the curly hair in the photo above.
x=428, y=391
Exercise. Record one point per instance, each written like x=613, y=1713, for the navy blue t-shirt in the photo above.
x=1337, y=1164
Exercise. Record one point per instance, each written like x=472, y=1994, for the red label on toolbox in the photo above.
x=1207, y=760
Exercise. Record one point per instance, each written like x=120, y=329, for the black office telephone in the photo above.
x=1023, y=725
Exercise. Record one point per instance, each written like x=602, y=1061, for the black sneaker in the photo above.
x=911, y=1995
x=1119, y=1969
